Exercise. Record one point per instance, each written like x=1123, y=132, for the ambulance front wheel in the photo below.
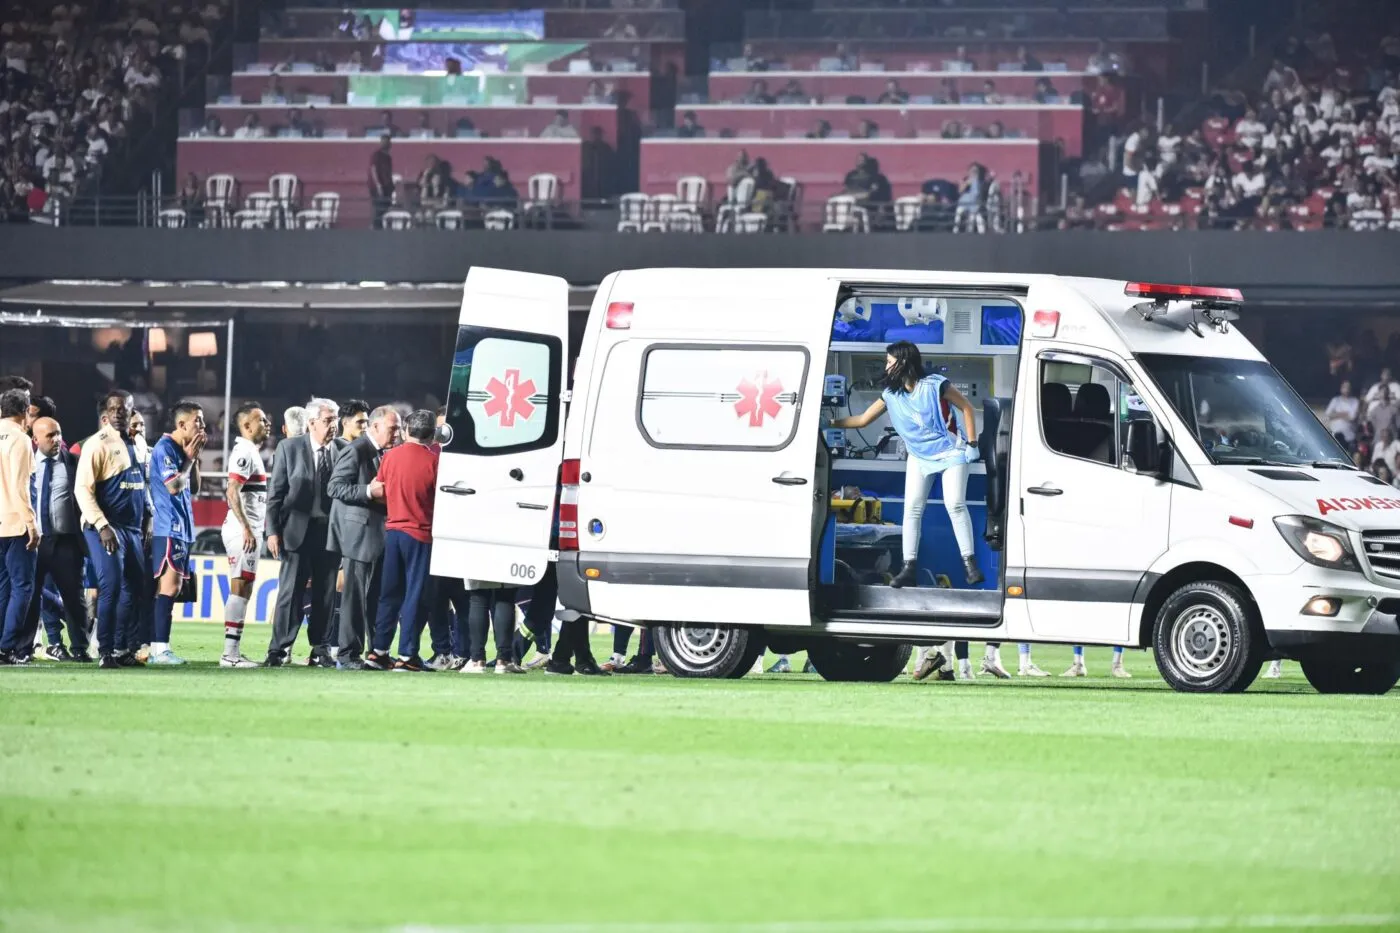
x=1372, y=677
x=1205, y=639
x=714, y=651
x=849, y=661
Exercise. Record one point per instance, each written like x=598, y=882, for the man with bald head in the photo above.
x=60, y=557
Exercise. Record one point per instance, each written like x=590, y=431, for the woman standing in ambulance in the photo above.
x=934, y=444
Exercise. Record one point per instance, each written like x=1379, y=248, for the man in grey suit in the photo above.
x=357, y=530
x=60, y=550
x=298, y=522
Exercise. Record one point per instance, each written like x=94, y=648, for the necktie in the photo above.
x=323, y=478
x=46, y=497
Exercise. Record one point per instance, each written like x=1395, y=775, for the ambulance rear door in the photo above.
x=504, y=433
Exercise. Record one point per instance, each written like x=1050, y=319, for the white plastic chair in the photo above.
x=171, y=217
x=632, y=212
x=906, y=212
x=219, y=198
x=753, y=222
x=740, y=195
x=248, y=220
x=397, y=220
x=257, y=208
x=692, y=191
x=685, y=221
x=283, y=187
x=449, y=220
x=499, y=220
x=659, y=213
x=323, y=213
x=843, y=216
x=542, y=190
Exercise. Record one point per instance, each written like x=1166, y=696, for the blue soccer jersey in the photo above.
x=174, y=511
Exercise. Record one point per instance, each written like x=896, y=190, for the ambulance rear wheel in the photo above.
x=852, y=662
x=690, y=650
x=1374, y=677
x=1205, y=640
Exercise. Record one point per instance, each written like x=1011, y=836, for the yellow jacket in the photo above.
x=16, y=467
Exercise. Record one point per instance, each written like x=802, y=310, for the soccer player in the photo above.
x=243, y=526
x=174, y=480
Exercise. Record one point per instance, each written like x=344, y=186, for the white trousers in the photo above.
x=917, y=485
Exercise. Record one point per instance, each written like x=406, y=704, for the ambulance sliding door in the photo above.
x=698, y=506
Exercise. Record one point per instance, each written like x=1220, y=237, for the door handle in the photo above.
x=458, y=490
x=531, y=505
x=1044, y=490
x=786, y=480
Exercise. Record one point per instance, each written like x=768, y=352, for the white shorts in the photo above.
x=241, y=565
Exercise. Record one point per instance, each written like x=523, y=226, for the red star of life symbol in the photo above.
x=758, y=397
x=510, y=398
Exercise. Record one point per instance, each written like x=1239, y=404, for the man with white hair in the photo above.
x=294, y=422
x=298, y=517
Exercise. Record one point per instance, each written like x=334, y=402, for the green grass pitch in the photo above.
x=201, y=799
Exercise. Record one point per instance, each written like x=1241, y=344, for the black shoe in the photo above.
x=907, y=576
x=349, y=664
x=80, y=657
x=413, y=665
x=559, y=668
x=638, y=665
x=7, y=659
x=275, y=660
x=321, y=658
x=378, y=661
x=590, y=668
x=57, y=652
x=128, y=659
x=109, y=662
x=974, y=573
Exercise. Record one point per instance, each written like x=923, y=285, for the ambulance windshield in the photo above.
x=1243, y=412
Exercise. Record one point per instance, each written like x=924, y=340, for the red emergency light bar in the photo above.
x=1181, y=292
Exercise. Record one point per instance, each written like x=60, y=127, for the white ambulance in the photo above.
x=1147, y=478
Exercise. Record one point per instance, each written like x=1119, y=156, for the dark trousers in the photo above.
x=622, y=636
x=60, y=566
x=539, y=612
x=310, y=565
x=17, y=565
x=405, y=595
x=359, y=605
x=447, y=623
x=496, y=608
x=51, y=609
x=571, y=647
x=122, y=580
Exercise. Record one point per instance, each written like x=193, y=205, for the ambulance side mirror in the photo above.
x=1145, y=452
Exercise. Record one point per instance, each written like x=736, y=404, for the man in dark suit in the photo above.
x=298, y=523
x=60, y=541
x=357, y=531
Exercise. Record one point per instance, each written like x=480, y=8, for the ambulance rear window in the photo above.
x=503, y=396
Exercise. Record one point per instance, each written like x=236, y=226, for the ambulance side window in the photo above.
x=1085, y=408
x=713, y=397
x=503, y=396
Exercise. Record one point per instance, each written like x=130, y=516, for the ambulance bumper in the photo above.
x=1378, y=639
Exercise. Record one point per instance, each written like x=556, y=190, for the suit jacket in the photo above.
x=292, y=491
x=357, y=521
x=69, y=503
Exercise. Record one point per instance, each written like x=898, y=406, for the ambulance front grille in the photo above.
x=1382, y=552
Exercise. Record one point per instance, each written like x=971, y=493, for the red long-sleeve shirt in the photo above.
x=409, y=473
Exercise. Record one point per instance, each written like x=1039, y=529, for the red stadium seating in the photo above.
x=342, y=165
x=833, y=87
x=1031, y=121
x=821, y=165
x=566, y=88
x=490, y=121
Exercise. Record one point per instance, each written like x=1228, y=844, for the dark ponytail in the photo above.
x=908, y=366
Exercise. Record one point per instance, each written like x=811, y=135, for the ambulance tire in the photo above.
x=1205, y=639
x=712, y=651
x=849, y=662
x=1372, y=678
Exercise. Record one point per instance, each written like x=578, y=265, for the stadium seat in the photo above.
x=692, y=190
x=449, y=220
x=284, y=188
x=398, y=220
x=736, y=203
x=323, y=213
x=752, y=222
x=542, y=191
x=499, y=220
x=842, y=215
x=171, y=217
x=658, y=213
x=632, y=212
x=906, y=212
x=220, y=197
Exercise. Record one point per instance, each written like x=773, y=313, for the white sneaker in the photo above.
x=1118, y=671
x=657, y=667
x=965, y=671
x=1076, y=670
x=993, y=666
x=613, y=663
x=237, y=660
x=474, y=667
x=539, y=660
x=1275, y=670
x=165, y=658
x=1030, y=670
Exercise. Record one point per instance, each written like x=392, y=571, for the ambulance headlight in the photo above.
x=1317, y=542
